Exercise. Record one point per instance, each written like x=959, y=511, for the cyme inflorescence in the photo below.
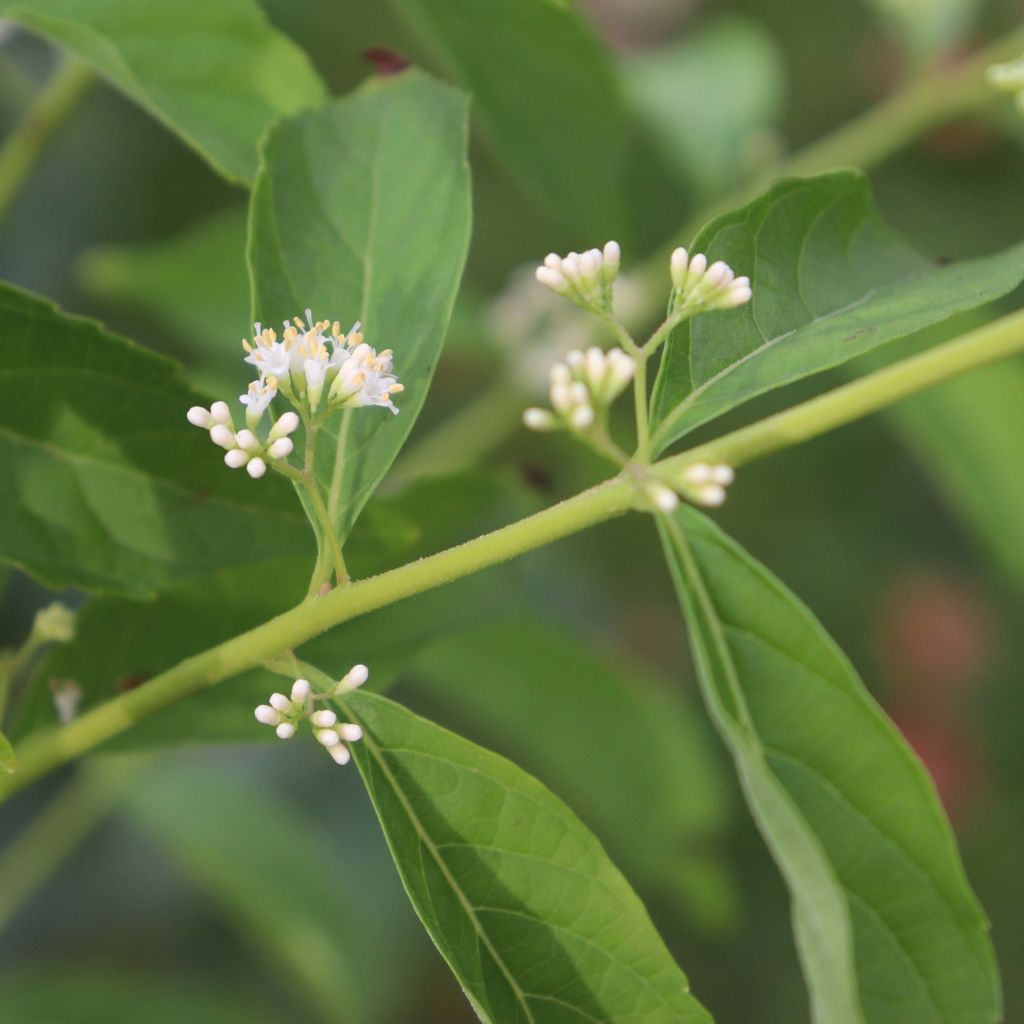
x=584, y=386
x=317, y=369
x=286, y=714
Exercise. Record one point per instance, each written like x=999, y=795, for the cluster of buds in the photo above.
x=697, y=287
x=581, y=388
x=1009, y=77
x=316, y=357
x=699, y=483
x=586, y=278
x=243, y=447
x=286, y=713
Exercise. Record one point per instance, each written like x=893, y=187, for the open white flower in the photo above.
x=260, y=394
x=365, y=378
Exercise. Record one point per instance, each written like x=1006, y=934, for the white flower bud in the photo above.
x=697, y=473
x=357, y=675
x=539, y=419
x=220, y=413
x=301, y=690
x=340, y=753
x=247, y=440
x=677, y=267
x=350, y=732
x=285, y=731
x=256, y=468
x=287, y=423
x=323, y=719
x=711, y=495
x=722, y=475
x=281, y=448
x=328, y=737
x=236, y=458
x=200, y=417
x=581, y=417
x=222, y=435
x=281, y=703
x=663, y=497
x=267, y=715
x=612, y=255
x=553, y=279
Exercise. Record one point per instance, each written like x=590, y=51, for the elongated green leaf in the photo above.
x=547, y=94
x=217, y=74
x=830, y=281
x=362, y=211
x=217, y=831
x=519, y=897
x=886, y=924
x=103, y=483
x=8, y=762
x=666, y=787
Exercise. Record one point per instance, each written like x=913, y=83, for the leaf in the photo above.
x=736, y=67
x=103, y=482
x=927, y=28
x=830, y=281
x=215, y=829
x=547, y=94
x=217, y=74
x=887, y=927
x=362, y=211
x=618, y=743
x=519, y=897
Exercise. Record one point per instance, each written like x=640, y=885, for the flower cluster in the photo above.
x=581, y=387
x=310, y=359
x=243, y=447
x=586, y=278
x=314, y=357
x=1009, y=77
x=697, y=287
x=286, y=714
x=700, y=483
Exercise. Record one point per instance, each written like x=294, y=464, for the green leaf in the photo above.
x=927, y=28
x=216, y=830
x=8, y=762
x=735, y=66
x=618, y=742
x=886, y=924
x=362, y=211
x=521, y=900
x=830, y=282
x=104, y=483
x=547, y=94
x=217, y=74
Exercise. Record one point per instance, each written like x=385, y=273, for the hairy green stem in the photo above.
x=26, y=140
x=43, y=752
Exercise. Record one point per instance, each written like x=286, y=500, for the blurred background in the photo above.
x=239, y=882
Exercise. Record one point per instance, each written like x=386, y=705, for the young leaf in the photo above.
x=669, y=788
x=104, y=483
x=547, y=94
x=830, y=281
x=361, y=211
x=217, y=74
x=518, y=896
x=886, y=924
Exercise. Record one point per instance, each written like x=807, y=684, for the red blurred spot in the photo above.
x=385, y=62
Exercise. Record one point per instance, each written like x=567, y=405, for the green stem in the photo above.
x=44, y=751
x=326, y=534
x=643, y=426
x=26, y=140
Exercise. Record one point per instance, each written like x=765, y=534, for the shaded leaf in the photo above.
x=361, y=211
x=830, y=281
x=8, y=762
x=105, y=484
x=616, y=741
x=886, y=924
x=547, y=94
x=217, y=74
x=519, y=897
